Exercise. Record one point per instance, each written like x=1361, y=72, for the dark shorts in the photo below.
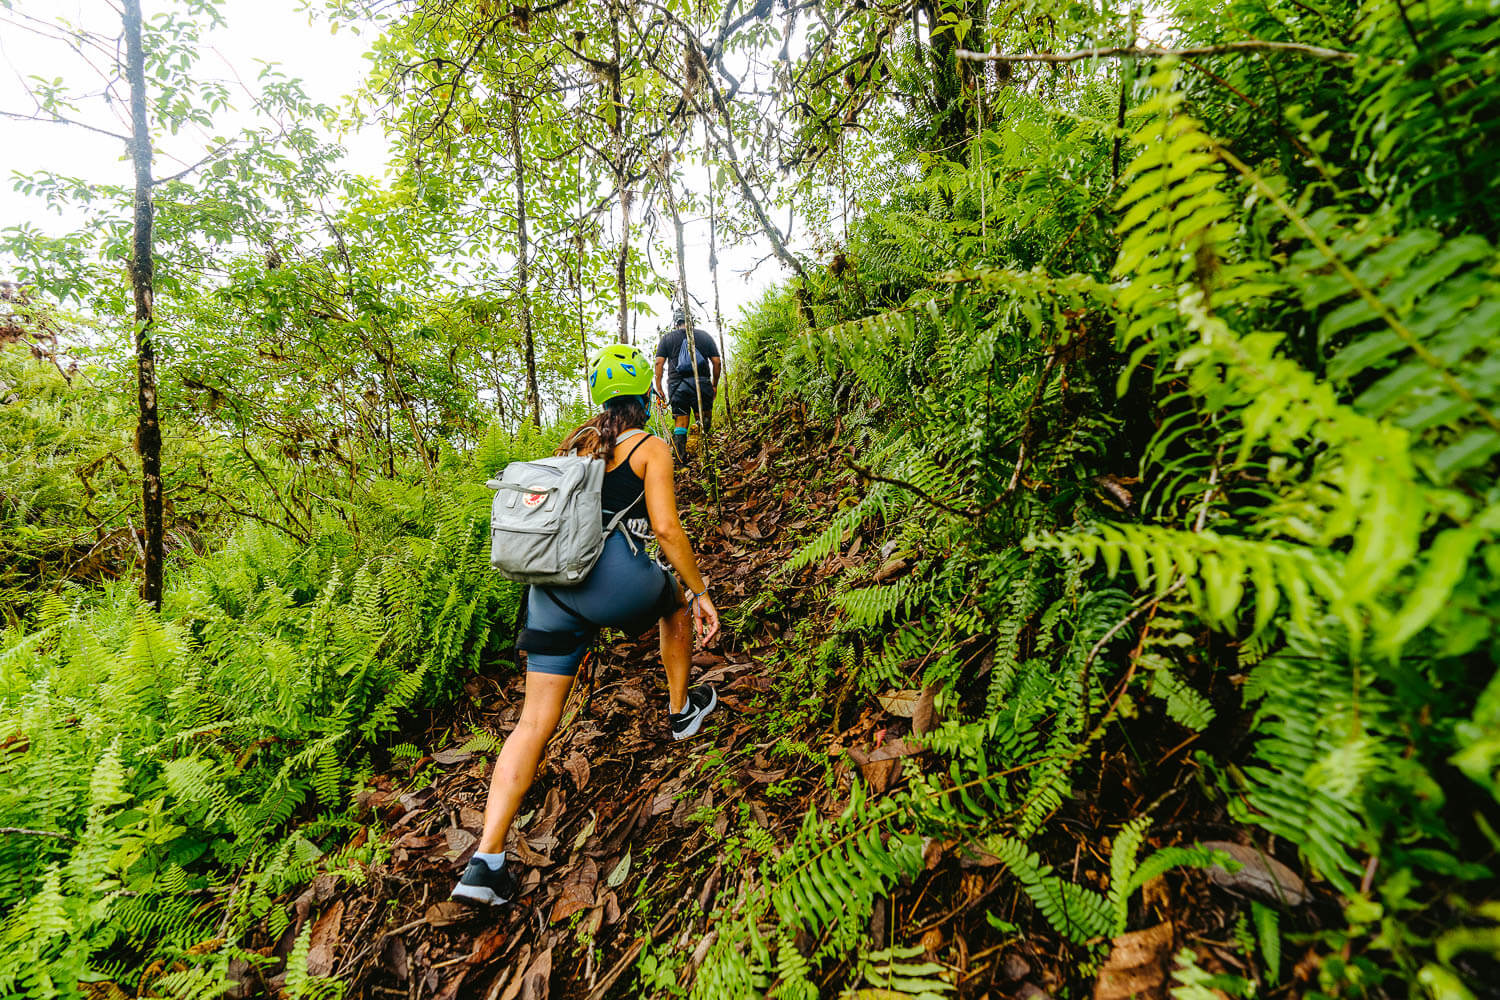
x=626, y=591
x=684, y=397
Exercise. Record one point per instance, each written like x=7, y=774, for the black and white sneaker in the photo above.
x=700, y=701
x=484, y=885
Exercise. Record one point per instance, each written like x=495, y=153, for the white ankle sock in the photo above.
x=495, y=861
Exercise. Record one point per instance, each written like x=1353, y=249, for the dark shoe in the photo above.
x=700, y=701
x=484, y=885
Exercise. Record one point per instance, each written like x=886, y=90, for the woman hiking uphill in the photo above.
x=626, y=590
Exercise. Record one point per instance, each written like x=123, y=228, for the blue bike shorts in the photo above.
x=626, y=590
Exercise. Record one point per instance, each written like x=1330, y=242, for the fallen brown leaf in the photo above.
x=878, y=774
x=394, y=956
x=536, y=984
x=900, y=703
x=489, y=941
x=525, y=854
x=447, y=913
x=886, y=751
x=1014, y=967
x=578, y=892
x=412, y=801
x=577, y=765
x=324, y=886
x=459, y=840
x=924, y=719
x=1137, y=966
x=325, y=940
x=551, y=811
x=521, y=964
x=1260, y=875
x=451, y=987
x=611, y=904
x=418, y=842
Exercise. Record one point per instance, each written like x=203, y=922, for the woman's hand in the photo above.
x=705, y=619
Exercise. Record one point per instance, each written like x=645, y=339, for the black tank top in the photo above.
x=623, y=488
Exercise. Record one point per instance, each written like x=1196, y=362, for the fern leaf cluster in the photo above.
x=1184, y=433
x=168, y=749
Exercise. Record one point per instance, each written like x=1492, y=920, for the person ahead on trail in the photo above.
x=695, y=369
x=626, y=590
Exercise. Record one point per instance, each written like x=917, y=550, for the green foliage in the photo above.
x=1210, y=444
x=229, y=735
x=66, y=497
x=1081, y=915
x=898, y=974
x=1172, y=386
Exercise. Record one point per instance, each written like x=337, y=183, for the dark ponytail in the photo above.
x=597, y=437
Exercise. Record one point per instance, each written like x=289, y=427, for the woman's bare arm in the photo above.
x=661, y=507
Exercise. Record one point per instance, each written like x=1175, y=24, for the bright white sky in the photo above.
x=330, y=66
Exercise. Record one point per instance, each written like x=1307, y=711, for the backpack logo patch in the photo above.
x=533, y=500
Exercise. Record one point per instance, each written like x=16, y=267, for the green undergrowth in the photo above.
x=65, y=488
x=164, y=778
x=1218, y=458
x=69, y=479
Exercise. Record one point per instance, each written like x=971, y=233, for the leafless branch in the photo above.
x=212, y=155
x=52, y=834
x=1153, y=52
x=903, y=484
x=60, y=120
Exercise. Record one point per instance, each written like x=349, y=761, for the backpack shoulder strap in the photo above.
x=592, y=430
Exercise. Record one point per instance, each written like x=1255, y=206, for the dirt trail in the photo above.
x=616, y=841
x=620, y=840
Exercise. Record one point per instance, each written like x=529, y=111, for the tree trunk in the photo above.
x=533, y=395
x=688, y=329
x=583, y=333
x=713, y=270
x=393, y=388
x=617, y=135
x=148, y=429
x=578, y=244
x=950, y=100
x=778, y=244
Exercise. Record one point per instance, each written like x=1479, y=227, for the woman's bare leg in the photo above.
x=516, y=766
x=677, y=655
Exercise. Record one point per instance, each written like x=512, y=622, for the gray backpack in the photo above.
x=544, y=525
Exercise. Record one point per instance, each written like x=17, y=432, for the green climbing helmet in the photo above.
x=618, y=370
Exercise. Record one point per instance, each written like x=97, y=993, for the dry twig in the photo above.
x=1156, y=52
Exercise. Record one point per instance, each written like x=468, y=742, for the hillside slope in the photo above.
x=634, y=849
